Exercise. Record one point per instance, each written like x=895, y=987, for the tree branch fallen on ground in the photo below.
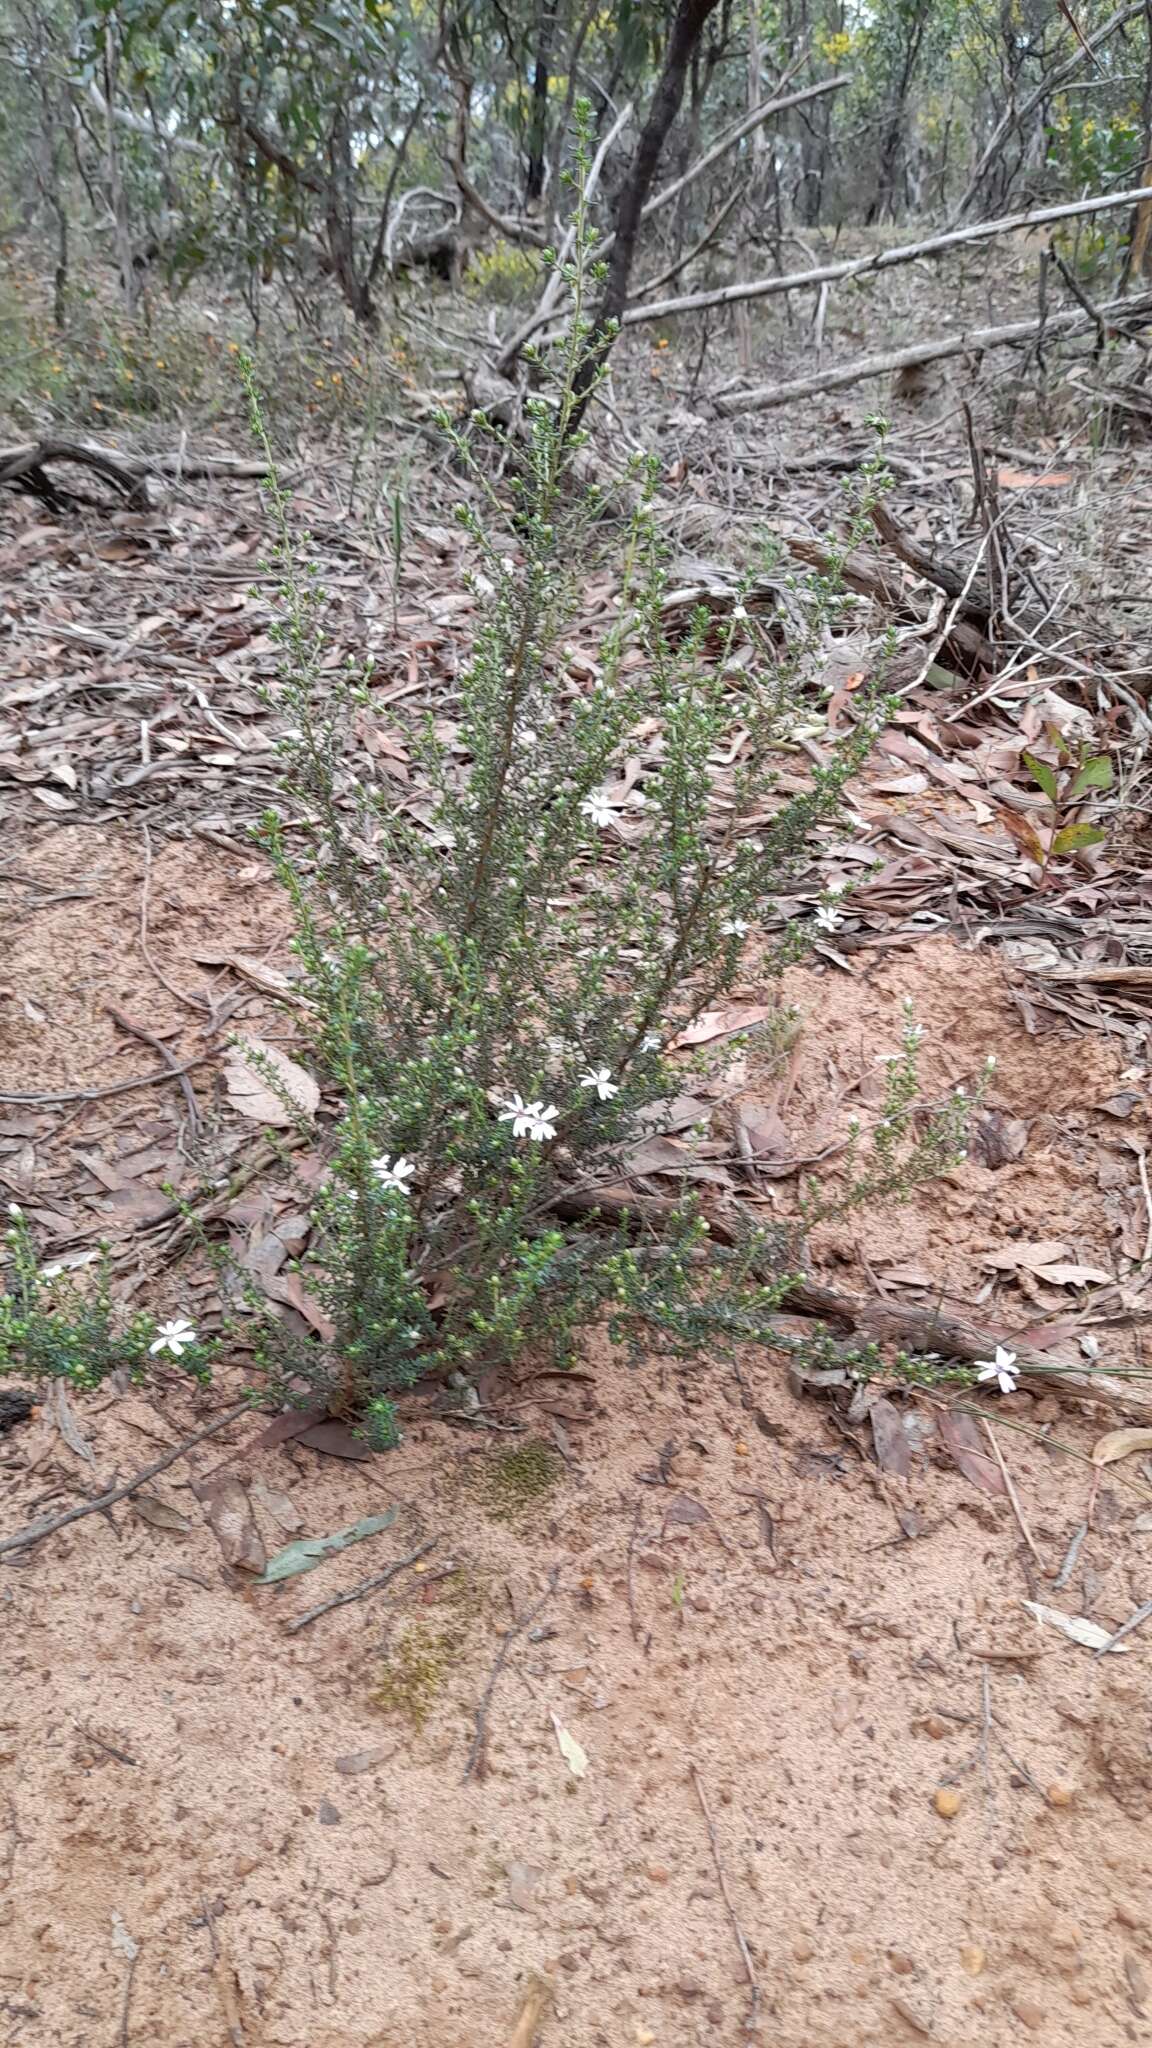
x=882, y=259
x=26, y=468
x=970, y=343
x=915, y=1326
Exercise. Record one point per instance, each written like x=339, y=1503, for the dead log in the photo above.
x=919, y=1328
x=26, y=468
x=973, y=342
x=881, y=259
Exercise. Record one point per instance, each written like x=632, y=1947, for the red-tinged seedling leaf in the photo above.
x=1022, y=833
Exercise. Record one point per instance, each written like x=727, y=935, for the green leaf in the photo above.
x=308, y=1551
x=1073, y=837
x=1042, y=774
x=1095, y=774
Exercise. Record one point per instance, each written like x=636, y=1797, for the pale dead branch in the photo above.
x=970, y=343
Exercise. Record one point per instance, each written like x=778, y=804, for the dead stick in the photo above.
x=36, y=1531
x=1010, y=1489
x=475, y=1759
x=122, y=2036
x=971, y=342
x=860, y=266
x=738, y=1931
x=203, y=1059
x=357, y=1592
x=920, y=1328
x=167, y=1055
x=537, y=1999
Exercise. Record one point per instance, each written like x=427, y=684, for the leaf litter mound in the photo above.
x=833, y=1767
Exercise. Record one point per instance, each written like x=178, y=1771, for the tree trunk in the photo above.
x=687, y=28
x=538, y=124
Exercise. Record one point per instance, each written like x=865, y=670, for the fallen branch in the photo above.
x=974, y=342
x=48, y=1525
x=738, y=1931
x=522, y=231
x=882, y=259
x=546, y=309
x=533, y=2006
x=916, y=1327
x=474, y=1764
x=371, y=1585
x=26, y=468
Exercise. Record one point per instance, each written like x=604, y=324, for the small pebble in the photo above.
x=1029, y=2014
x=947, y=1802
x=658, y=1874
x=935, y=1727
x=803, y=1950
x=1060, y=1793
x=901, y=1964
x=972, y=1959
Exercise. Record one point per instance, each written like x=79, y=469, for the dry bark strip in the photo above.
x=970, y=343
x=920, y=1328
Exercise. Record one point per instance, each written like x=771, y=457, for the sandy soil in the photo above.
x=774, y=1656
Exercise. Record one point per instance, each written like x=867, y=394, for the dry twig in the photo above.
x=474, y=1764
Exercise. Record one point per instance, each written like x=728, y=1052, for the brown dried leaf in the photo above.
x=961, y=1439
x=334, y=1440
x=1074, y=1276
x=1120, y=1443
x=159, y=1515
x=228, y=1512
x=1030, y=1256
x=725, y=1023
x=254, y=1097
x=893, y=1453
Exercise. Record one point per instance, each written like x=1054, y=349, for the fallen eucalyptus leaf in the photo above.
x=1120, y=1443
x=248, y=1077
x=309, y=1551
x=1076, y=1627
x=575, y=1758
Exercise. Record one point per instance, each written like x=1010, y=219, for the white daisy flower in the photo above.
x=600, y=1078
x=734, y=928
x=651, y=1042
x=598, y=809
x=393, y=1176
x=542, y=1120
x=1003, y=1369
x=826, y=917
x=176, y=1337
x=520, y=1114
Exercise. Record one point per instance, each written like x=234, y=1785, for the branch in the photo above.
x=921, y=1328
x=1014, y=117
x=36, y=1531
x=742, y=128
x=884, y=259
x=525, y=232
x=552, y=290
x=971, y=343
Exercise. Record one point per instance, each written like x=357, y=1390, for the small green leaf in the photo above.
x=1042, y=774
x=308, y=1551
x=1095, y=774
x=1073, y=837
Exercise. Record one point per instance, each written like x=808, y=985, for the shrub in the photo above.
x=54, y=1327
x=495, y=972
